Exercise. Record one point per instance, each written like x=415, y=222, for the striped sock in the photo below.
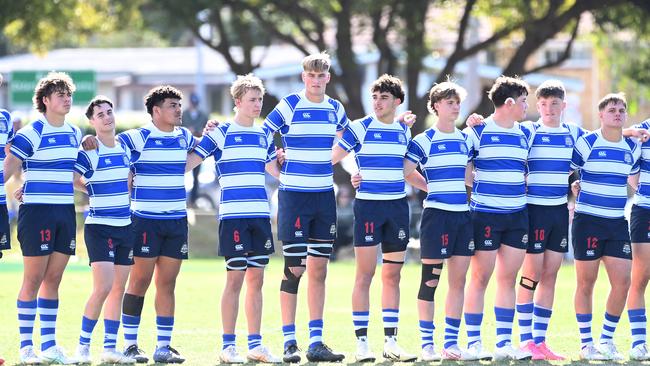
x=289, y=334
x=426, y=332
x=165, y=325
x=228, y=340
x=637, y=325
x=525, y=320
x=541, y=316
x=391, y=318
x=360, y=321
x=110, y=334
x=26, y=318
x=315, y=332
x=254, y=340
x=130, y=323
x=609, y=327
x=452, y=328
x=584, y=324
x=87, y=326
x=473, y=324
x=504, y=319
x=47, y=310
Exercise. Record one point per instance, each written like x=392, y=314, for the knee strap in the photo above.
x=430, y=272
x=290, y=281
x=235, y=263
x=132, y=304
x=528, y=283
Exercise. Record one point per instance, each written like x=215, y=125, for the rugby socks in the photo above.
x=360, y=320
x=426, y=332
x=47, y=311
x=26, y=318
x=452, y=328
x=391, y=318
x=131, y=310
x=228, y=340
x=87, y=326
x=504, y=319
x=584, y=325
x=110, y=334
x=541, y=318
x=473, y=324
x=254, y=340
x=165, y=325
x=525, y=320
x=315, y=332
x=289, y=334
x=609, y=327
x=637, y=325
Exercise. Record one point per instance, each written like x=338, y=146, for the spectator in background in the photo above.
x=194, y=119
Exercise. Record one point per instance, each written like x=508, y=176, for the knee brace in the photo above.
x=528, y=283
x=257, y=261
x=384, y=260
x=430, y=272
x=321, y=249
x=235, y=263
x=132, y=304
x=290, y=281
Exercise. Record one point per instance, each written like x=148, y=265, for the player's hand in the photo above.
x=210, y=126
x=640, y=133
x=474, y=119
x=575, y=187
x=408, y=118
x=281, y=155
x=89, y=142
x=18, y=194
x=355, y=180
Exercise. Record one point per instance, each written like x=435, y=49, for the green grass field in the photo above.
x=197, y=332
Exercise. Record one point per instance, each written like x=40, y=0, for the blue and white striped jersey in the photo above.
x=240, y=155
x=549, y=162
x=6, y=136
x=308, y=130
x=379, y=150
x=106, y=172
x=604, y=168
x=443, y=159
x=158, y=164
x=642, y=195
x=500, y=163
x=48, y=154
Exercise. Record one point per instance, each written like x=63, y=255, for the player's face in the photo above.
x=519, y=108
x=550, y=109
x=169, y=112
x=384, y=104
x=315, y=82
x=448, y=109
x=58, y=102
x=614, y=115
x=103, y=119
x=250, y=104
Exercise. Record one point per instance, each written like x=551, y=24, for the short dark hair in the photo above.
x=507, y=87
x=52, y=83
x=389, y=84
x=442, y=91
x=550, y=89
x=612, y=98
x=157, y=96
x=96, y=102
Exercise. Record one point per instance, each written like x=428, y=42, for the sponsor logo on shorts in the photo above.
x=591, y=253
x=239, y=246
x=627, y=249
x=538, y=245
x=564, y=243
x=471, y=245
x=443, y=251
x=401, y=234
x=73, y=244
x=111, y=254
x=524, y=239
x=145, y=250
x=184, y=248
x=488, y=242
x=298, y=234
x=369, y=238
x=268, y=244
x=45, y=247
x=332, y=229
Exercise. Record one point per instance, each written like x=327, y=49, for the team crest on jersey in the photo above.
x=73, y=141
x=524, y=239
x=568, y=141
x=333, y=229
x=182, y=143
x=331, y=117
x=262, y=141
x=523, y=143
x=3, y=127
x=628, y=158
x=463, y=148
x=402, y=139
x=471, y=245
x=73, y=244
x=184, y=248
x=627, y=249
x=564, y=243
x=126, y=160
x=401, y=234
x=268, y=244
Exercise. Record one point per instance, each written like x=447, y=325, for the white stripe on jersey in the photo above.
x=48, y=154
x=379, y=153
x=642, y=195
x=308, y=130
x=6, y=136
x=604, y=168
x=549, y=160
x=158, y=164
x=241, y=154
x=443, y=159
x=500, y=161
x=106, y=172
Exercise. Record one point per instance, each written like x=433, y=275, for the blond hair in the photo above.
x=245, y=83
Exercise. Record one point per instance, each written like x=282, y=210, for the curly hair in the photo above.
x=53, y=82
x=157, y=95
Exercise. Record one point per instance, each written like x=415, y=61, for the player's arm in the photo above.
x=338, y=153
x=640, y=133
x=130, y=181
x=469, y=178
x=193, y=160
x=413, y=177
x=633, y=181
x=273, y=168
x=79, y=183
x=12, y=165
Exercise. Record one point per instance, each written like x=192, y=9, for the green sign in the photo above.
x=21, y=88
